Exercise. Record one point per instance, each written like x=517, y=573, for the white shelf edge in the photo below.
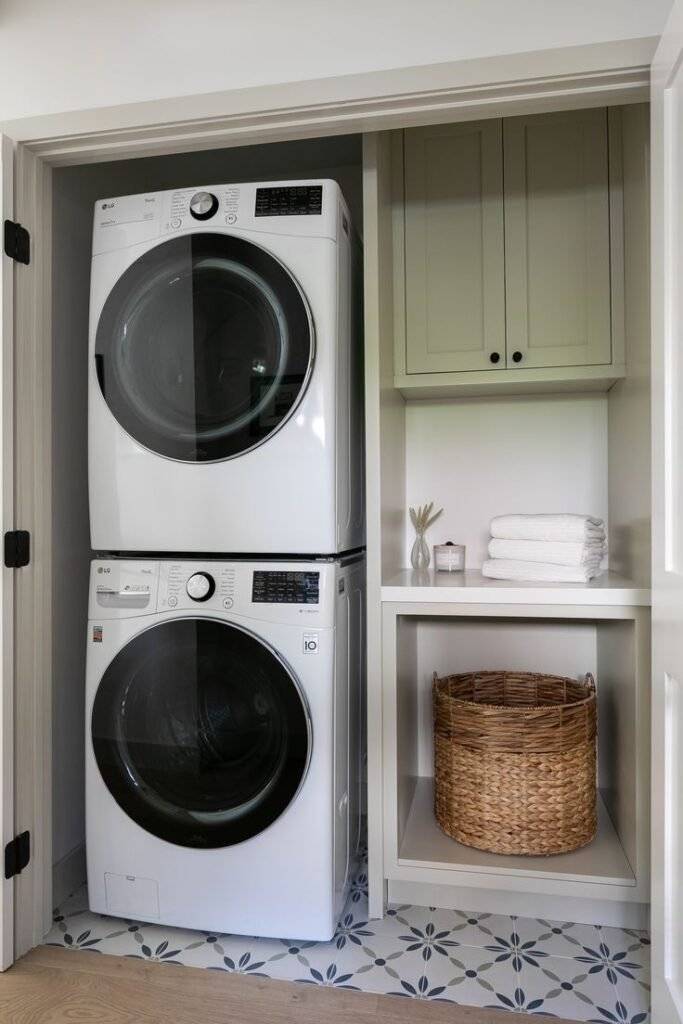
x=475, y=861
x=608, y=590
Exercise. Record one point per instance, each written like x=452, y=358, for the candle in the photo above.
x=449, y=557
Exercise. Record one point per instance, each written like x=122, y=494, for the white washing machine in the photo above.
x=223, y=742
x=225, y=372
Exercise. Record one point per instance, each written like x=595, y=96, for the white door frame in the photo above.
x=667, y=515
x=7, y=830
x=574, y=77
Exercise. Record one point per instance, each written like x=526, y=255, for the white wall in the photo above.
x=80, y=54
x=482, y=457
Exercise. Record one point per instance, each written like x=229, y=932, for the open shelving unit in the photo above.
x=602, y=628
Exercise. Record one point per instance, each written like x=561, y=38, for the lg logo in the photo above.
x=310, y=643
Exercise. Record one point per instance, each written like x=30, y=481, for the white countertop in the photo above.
x=471, y=587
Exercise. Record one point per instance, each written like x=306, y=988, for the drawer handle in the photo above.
x=517, y=357
x=494, y=357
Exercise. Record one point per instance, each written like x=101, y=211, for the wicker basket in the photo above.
x=515, y=761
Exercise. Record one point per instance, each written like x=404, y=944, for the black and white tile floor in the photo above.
x=549, y=968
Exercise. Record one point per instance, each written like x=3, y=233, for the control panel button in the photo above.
x=200, y=586
x=172, y=602
x=176, y=222
x=231, y=218
x=203, y=205
x=228, y=602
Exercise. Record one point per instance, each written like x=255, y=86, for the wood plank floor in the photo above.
x=57, y=986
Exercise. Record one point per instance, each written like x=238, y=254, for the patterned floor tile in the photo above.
x=471, y=976
x=465, y=929
x=557, y=938
x=635, y=943
x=565, y=988
x=614, y=961
x=544, y=967
x=635, y=996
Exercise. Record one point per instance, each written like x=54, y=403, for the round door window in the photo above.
x=204, y=347
x=200, y=733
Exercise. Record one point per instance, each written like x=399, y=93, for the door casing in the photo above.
x=570, y=78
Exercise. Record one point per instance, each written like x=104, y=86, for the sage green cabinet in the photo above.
x=557, y=242
x=454, y=246
x=508, y=260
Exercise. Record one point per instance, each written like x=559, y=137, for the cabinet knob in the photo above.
x=516, y=357
x=494, y=357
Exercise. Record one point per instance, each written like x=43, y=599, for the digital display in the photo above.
x=285, y=587
x=289, y=201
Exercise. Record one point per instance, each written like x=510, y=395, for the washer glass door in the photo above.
x=200, y=732
x=204, y=347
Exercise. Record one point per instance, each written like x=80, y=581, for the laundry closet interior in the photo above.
x=459, y=225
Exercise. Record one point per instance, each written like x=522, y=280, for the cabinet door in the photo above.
x=557, y=251
x=454, y=247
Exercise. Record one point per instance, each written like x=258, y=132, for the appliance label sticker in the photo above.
x=310, y=643
x=97, y=634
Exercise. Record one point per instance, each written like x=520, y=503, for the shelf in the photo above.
x=409, y=585
x=424, y=845
x=478, y=383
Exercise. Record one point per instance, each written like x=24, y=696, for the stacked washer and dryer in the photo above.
x=225, y=658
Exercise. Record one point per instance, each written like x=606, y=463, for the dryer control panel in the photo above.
x=303, y=208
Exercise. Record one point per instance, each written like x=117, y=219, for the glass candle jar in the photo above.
x=449, y=557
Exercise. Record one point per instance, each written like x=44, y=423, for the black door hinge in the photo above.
x=17, y=242
x=17, y=549
x=17, y=854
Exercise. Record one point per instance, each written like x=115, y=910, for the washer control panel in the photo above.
x=273, y=587
x=276, y=591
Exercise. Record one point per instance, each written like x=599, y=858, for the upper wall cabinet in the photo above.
x=508, y=255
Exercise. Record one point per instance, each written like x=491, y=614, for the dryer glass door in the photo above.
x=204, y=347
x=201, y=733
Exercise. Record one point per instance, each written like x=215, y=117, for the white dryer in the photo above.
x=225, y=372
x=223, y=742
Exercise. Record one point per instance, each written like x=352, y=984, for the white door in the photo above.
x=667, y=479
x=6, y=575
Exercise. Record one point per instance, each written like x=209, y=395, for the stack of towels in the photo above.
x=553, y=548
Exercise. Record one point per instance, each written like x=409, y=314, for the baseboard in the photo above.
x=554, y=908
x=68, y=874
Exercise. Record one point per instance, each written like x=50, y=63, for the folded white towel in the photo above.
x=537, y=572
x=563, y=527
x=556, y=552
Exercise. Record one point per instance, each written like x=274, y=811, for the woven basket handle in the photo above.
x=590, y=681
